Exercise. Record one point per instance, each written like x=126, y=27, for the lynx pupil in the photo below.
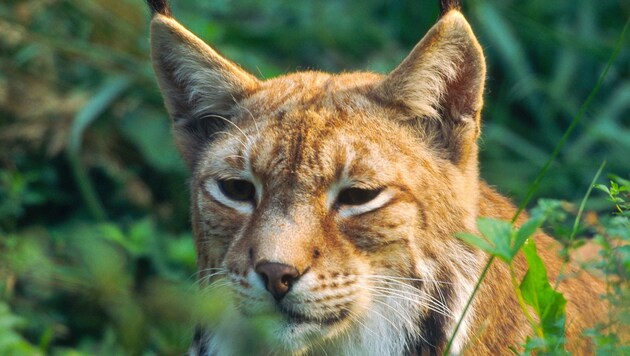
x=356, y=196
x=237, y=189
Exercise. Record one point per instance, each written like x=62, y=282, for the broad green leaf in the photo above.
x=475, y=241
x=498, y=233
x=548, y=304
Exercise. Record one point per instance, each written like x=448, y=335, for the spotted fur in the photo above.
x=385, y=277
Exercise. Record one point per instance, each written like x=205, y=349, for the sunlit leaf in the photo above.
x=548, y=304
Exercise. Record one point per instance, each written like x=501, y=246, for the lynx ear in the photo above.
x=441, y=85
x=199, y=86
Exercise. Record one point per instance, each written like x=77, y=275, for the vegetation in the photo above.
x=96, y=256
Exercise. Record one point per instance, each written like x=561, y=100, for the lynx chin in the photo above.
x=330, y=201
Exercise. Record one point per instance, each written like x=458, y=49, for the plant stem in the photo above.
x=468, y=303
x=86, y=188
x=576, y=223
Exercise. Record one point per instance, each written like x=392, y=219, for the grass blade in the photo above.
x=95, y=107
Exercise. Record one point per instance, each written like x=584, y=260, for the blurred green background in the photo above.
x=96, y=253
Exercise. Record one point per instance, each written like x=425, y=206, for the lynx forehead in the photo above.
x=330, y=201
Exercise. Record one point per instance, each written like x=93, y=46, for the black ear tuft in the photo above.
x=160, y=7
x=448, y=5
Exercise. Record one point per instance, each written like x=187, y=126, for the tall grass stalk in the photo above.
x=578, y=217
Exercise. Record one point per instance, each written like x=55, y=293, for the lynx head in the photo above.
x=330, y=200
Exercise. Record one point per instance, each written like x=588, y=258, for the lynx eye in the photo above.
x=357, y=196
x=237, y=189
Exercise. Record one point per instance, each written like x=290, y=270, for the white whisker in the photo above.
x=425, y=280
x=440, y=309
x=405, y=318
x=356, y=318
x=253, y=118
x=231, y=135
x=229, y=122
x=422, y=295
x=386, y=319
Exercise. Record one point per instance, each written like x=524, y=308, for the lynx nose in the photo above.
x=277, y=277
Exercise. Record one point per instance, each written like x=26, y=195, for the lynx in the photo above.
x=331, y=201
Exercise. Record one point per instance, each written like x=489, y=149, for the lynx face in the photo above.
x=330, y=201
x=320, y=206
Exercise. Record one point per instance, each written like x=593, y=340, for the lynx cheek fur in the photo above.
x=331, y=200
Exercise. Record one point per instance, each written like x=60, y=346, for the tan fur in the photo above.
x=386, y=277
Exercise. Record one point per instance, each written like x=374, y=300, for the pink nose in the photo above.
x=278, y=277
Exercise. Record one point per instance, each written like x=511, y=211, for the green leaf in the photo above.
x=499, y=233
x=500, y=238
x=475, y=241
x=526, y=230
x=548, y=304
x=603, y=188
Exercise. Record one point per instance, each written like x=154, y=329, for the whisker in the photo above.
x=252, y=116
x=195, y=276
x=430, y=301
x=443, y=300
x=208, y=270
x=216, y=273
x=440, y=309
x=386, y=319
x=320, y=343
x=231, y=135
x=212, y=287
x=425, y=280
x=356, y=318
x=403, y=317
x=422, y=292
x=406, y=319
x=229, y=122
x=236, y=156
x=205, y=282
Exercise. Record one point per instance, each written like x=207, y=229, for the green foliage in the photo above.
x=11, y=342
x=16, y=195
x=618, y=186
x=547, y=303
x=84, y=279
x=501, y=239
x=613, y=236
x=96, y=255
